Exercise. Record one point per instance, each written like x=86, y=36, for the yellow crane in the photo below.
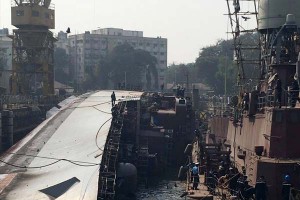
x=33, y=47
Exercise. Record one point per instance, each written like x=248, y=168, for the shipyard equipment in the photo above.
x=33, y=47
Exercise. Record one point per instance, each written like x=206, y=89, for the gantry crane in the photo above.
x=33, y=47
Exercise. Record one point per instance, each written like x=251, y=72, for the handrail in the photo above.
x=219, y=106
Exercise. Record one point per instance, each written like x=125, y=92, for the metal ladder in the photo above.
x=109, y=160
x=143, y=162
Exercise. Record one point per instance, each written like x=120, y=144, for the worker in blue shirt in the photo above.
x=195, y=177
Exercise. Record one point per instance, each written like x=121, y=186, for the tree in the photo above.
x=215, y=63
x=125, y=61
x=61, y=66
x=177, y=74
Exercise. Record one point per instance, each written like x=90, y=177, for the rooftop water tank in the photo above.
x=273, y=13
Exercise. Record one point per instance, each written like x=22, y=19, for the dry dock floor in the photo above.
x=201, y=193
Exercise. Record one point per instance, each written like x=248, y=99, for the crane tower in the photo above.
x=33, y=47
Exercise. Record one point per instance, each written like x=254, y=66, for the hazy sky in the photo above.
x=188, y=25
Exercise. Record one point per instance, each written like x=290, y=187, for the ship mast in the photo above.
x=238, y=14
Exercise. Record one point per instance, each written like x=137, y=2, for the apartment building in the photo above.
x=62, y=41
x=88, y=48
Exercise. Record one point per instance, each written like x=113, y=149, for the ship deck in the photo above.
x=65, y=150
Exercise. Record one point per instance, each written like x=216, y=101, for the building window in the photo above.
x=20, y=12
x=35, y=13
x=47, y=16
x=51, y=16
x=162, y=62
x=155, y=53
x=162, y=45
x=154, y=45
x=148, y=44
x=162, y=53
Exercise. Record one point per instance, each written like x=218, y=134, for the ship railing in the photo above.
x=261, y=102
x=219, y=106
x=264, y=101
x=289, y=98
x=292, y=97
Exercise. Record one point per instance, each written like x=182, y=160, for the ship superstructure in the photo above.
x=261, y=124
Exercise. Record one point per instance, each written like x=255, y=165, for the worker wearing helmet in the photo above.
x=286, y=187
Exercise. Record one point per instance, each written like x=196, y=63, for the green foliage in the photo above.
x=215, y=63
x=61, y=66
x=177, y=74
x=124, y=59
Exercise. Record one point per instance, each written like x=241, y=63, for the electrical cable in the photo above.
x=49, y=158
x=47, y=165
x=25, y=167
x=75, y=162
x=102, y=111
x=99, y=132
x=89, y=181
x=86, y=106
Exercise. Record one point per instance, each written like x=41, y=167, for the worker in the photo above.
x=221, y=171
x=197, y=132
x=223, y=183
x=113, y=98
x=286, y=187
x=162, y=87
x=246, y=101
x=261, y=189
x=178, y=89
x=278, y=91
x=195, y=177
